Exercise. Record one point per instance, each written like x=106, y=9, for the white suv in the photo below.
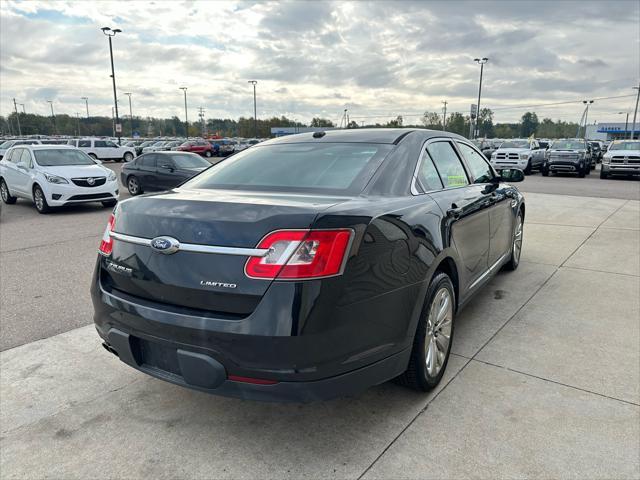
x=55, y=175
x=103, y=149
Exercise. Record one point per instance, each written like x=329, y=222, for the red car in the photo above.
x=201, y=147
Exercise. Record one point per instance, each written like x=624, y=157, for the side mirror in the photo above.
x=21, y=165
x=511, y=175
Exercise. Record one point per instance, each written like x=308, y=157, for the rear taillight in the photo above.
x=301, y=254
x=106, y=244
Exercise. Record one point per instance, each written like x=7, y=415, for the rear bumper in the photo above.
x=342, y=352
x=204, y=373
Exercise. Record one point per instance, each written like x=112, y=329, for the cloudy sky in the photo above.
x=378, y=59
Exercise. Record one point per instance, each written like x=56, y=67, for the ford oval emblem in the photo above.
x=166, y=245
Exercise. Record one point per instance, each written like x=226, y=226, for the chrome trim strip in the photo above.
x=192, y=247
x=487, y=272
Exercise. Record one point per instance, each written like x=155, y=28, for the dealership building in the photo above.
x=612, y=131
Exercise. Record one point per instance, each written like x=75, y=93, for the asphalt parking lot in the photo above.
x=544, y=380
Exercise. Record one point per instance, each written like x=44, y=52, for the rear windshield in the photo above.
x=57, y=158
x=568, y=145
x=298, y=167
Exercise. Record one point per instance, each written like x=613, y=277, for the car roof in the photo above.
x=49, y=146
x=360, y=135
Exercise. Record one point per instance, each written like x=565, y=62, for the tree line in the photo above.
x=32, y=124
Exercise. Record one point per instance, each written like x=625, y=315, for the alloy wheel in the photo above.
x=4, y=192
x=39, y=199
x=438, y=333
x=133, y=186
x=517, y=239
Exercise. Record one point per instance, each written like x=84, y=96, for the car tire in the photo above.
x=603, y=174
x=94, y=156
x=128, y=157
x=133, y=185
x=582, y=171
x=587, y=169
x=40, y=200
x=436, y=322
x=5, y=194
x=516, y=243
x=109, y=203
x=545, y=172
x=207, y=153
x=527, y=170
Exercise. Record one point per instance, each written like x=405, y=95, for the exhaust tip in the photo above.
x=108, y=348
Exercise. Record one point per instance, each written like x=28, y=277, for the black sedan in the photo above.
x=309, y=266
x=160, y=171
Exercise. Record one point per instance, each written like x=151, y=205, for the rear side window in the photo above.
x=297, y=167
x=480, y=169
x=428, y=175
x=448, y=164
x=84, y=143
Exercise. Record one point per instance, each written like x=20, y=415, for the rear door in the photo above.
x=148, y=171
x=467, y=210
x=22, y=173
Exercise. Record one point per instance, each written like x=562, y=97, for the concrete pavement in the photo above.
x=543, y=383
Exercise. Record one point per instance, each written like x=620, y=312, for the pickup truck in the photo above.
x=569, y=155
x=524, y=154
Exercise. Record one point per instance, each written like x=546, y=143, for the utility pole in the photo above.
x=635, y=113
x=128, y=94
x=481, y=62
x=53, y=117
x=444, y=115
x=112, y=33
x=17, y=117
x=186, y=119
x=255, y=110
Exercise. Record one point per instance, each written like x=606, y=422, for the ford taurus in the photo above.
x=309, y=266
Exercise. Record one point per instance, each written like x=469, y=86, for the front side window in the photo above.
x=60, y=157
x=448, y=164
x=342, y=168
x=478, y=166
x=100, y=144
x=112, y=145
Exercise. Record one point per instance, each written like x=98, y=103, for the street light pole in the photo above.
x=186, y=119
x=128, y=94
x=53, y=117
x=626, y=122
x=635, y=113
x=586, y=116
x=481, y=62
x=112, y=33
x=86, y=102
x=444, y=115
x=255, y=111
x=17, y=117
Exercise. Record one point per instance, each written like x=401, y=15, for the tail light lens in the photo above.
x=106, y=244
x=301, y=254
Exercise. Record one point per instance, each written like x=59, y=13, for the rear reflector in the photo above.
x=106, y=244
x=255, y=381
x=301, y=254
